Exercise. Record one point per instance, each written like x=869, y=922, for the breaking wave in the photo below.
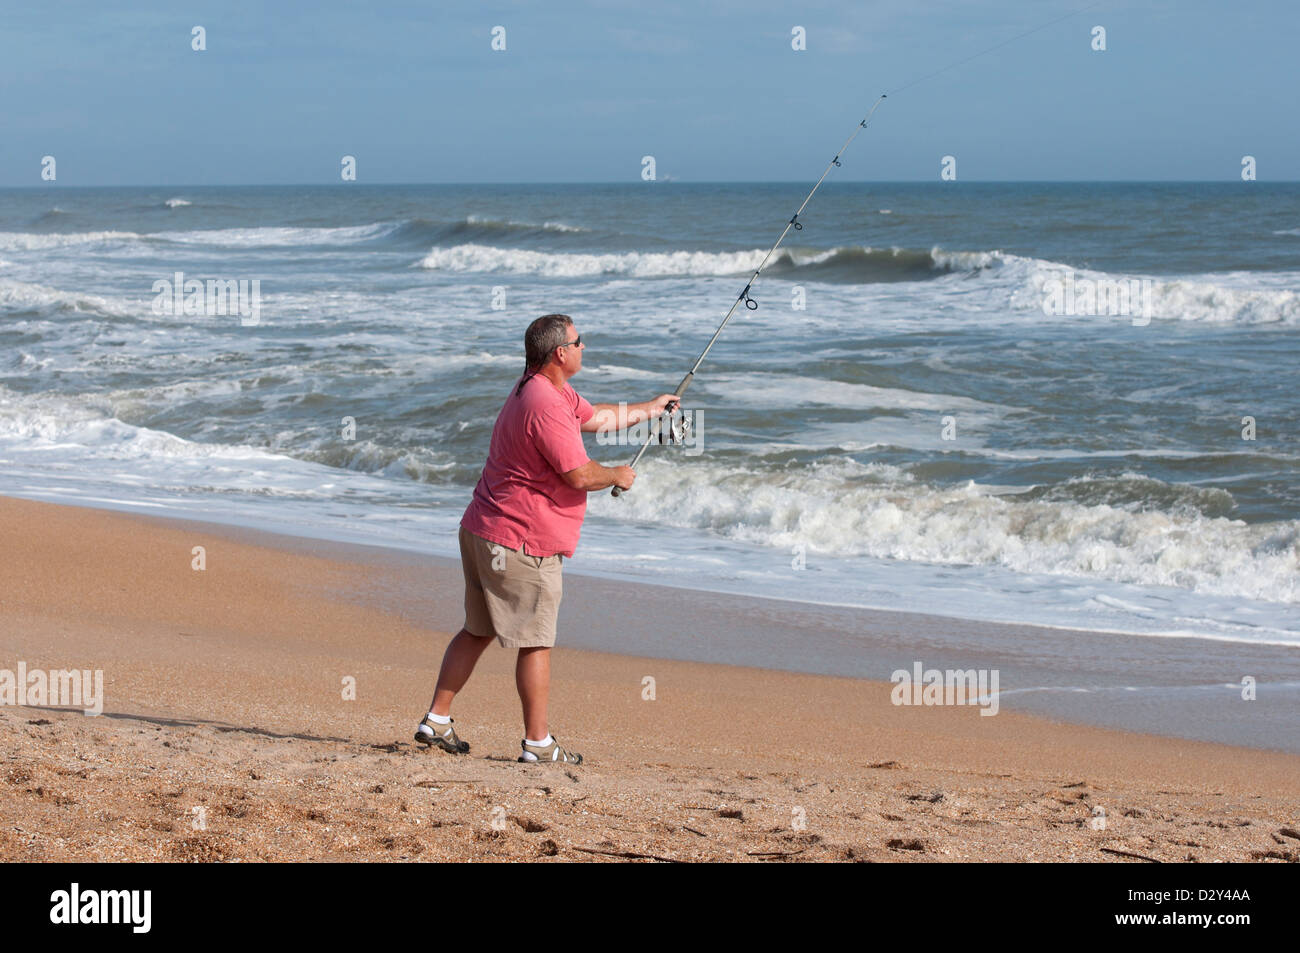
x=843, y=509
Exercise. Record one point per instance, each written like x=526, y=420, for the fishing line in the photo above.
x=676, y=434
x=996, y=46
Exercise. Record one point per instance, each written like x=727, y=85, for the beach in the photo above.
x=261, y=708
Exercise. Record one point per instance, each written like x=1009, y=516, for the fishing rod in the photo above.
x=750, y=303
x=794, y=222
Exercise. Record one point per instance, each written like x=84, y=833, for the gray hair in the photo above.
x=542, y=337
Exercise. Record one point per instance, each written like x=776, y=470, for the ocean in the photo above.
x=1065, y=404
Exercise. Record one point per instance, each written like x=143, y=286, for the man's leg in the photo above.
x=533, y=679
x=457, y=665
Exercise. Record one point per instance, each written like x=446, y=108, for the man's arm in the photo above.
x=592, y=476
x=611, y=418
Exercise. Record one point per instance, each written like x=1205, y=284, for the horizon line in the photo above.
x=668, y=181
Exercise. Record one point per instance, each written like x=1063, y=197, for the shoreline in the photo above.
x=891, y=603
x=224, y=694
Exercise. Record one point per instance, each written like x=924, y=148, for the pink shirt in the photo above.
x=521, y=500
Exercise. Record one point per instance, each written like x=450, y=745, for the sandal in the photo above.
x=430, y=733
x=552, y=752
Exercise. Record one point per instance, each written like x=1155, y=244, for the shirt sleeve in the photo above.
x=558, y=439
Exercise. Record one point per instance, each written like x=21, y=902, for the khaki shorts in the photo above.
x=509, y=595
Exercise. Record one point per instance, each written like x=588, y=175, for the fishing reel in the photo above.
x=674, y=426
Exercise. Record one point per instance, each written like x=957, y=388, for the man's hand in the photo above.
x=611, y=418
x=624, y=477
x=659, y=405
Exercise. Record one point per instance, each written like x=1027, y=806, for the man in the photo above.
x=525, y=517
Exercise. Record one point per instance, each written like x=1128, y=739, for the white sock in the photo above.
x=540, y=744
x=440, y=719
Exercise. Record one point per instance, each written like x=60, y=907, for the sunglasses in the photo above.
x=576, y=342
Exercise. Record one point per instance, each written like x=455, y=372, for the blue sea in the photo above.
x=942, y=403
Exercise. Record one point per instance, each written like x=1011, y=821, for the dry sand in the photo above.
x=226, y=736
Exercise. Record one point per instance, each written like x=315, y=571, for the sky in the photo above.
x=583, y=90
